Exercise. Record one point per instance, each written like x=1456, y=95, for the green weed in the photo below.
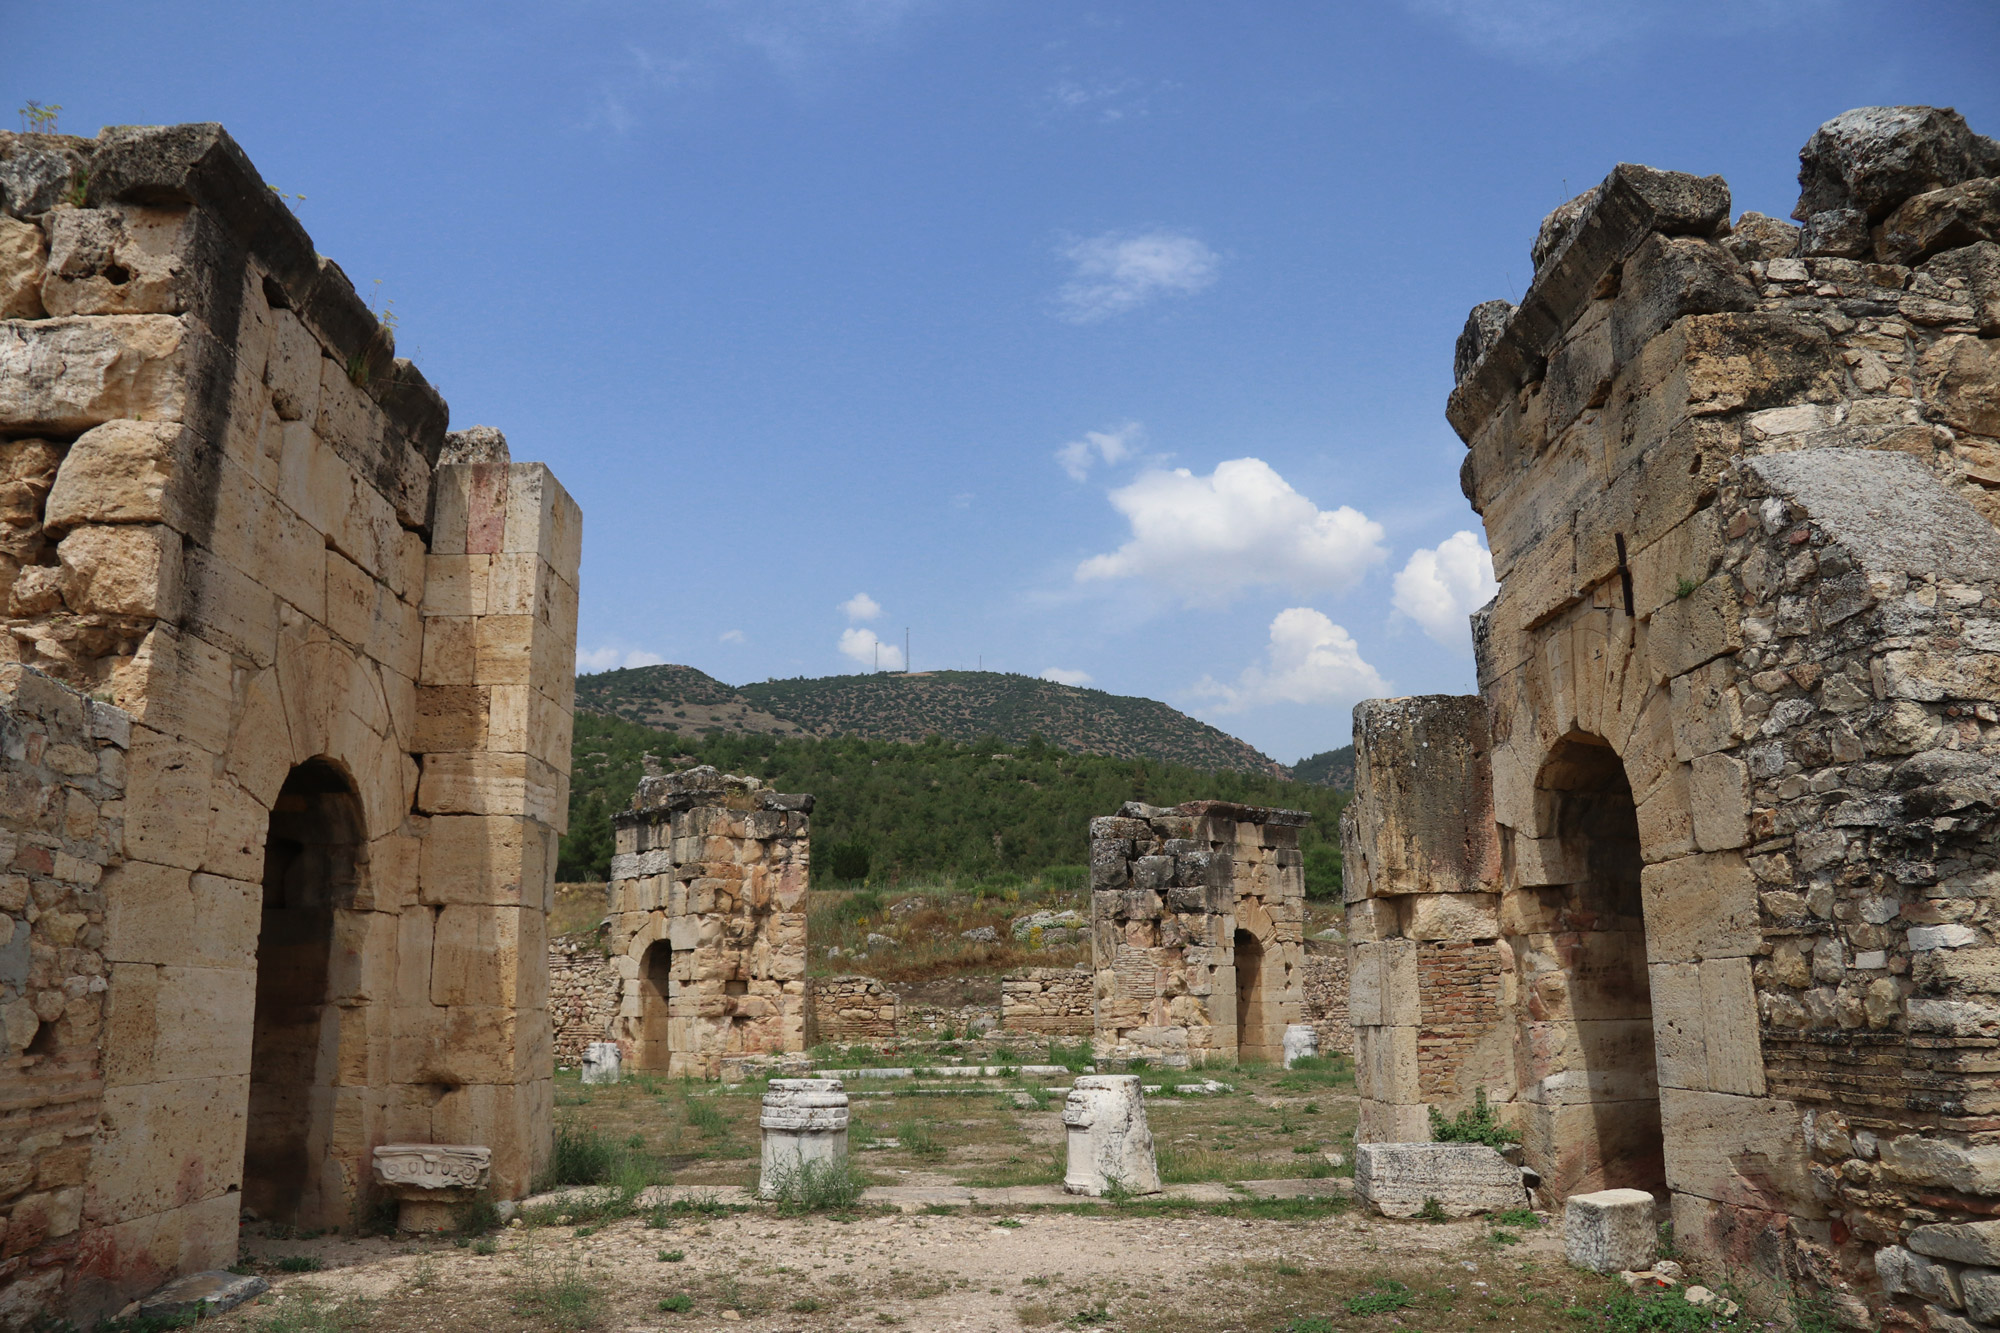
x=818, y=1186
x=1474, y=1126
x=300, y=1263
x=679, y=1303
x=1387, y=1296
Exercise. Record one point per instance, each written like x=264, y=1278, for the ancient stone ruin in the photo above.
x=327, y=650
x=1197, y=915
x=1701, y=887
x=708, y=921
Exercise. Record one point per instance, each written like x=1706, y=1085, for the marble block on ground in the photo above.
x=600, y=1062
x=1301, y=1043
x=1610, y=1231
x=430, y=1180
x=1396, y=1179
x=202, y=1295
x=1109, y=1141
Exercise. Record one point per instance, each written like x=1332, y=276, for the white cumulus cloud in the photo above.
x=610, y=659
x=1098, y=446
x=869, y=651
x=861, y=607
x=1064, y=676
x=1442, y=586
x=1122, y=270
x=1209, y=538
x=1310, y=660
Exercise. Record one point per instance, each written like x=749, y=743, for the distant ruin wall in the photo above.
x=61, y=825
x=1323, y=988
x=1047, y=1002
x=583, y=995
x=851, y=1009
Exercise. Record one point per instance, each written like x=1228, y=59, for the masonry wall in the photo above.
x=1737, y=484
x=583, y=995
x=1170, y=891
x=1323, y=995
x=712, y=870
x=60, y=829
x=851, y=1009
x=1048, y=1002
x=231, y=509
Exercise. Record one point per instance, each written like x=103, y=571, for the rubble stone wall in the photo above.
x=708, y=921
x=850, y=1009
x=1323, y=992
x=60, y=829
x=583, y=995
x=1739, y=487
x=1048, y=1002
x=228, y=507
x=1197, y=931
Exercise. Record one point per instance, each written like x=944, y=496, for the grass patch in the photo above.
x=1388, y=1295
x=300, y=1263
x=304, y=1310
x=916, y=1136
x=563, y=1300
x=818, y=1186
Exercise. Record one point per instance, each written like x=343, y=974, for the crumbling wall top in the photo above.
x=1242, y=814
x=704, y=785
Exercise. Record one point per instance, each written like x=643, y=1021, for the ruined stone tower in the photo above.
x=327, y=651
x=1737, y=901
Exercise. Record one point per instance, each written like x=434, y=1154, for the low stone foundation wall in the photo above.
x=850, y=1008
x=1048, y=1001
x=1325, y=986
x=583, y=994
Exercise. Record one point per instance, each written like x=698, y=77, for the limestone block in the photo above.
x=176, y=1022
x=1392, y=1122
x=1907, y=1274
x=1982, y=1295
x=1920, y=1160
x=1962, y=376
x=124, y=472
x=122, y=571
x=486, y=955
x=1398, y=1179
x=1453, y=916
x=180, y=685
x=67, y=375
x=601, y=1061
x=499, y=860
x=159, y=914
x=1679, y=1029
x=167, y=800
x=231, y=608
x=260, y=536
x=201, y=1296
x=1748, y=1152
x=1301, y=1043
x=23, y=255
x=1382, y=986
x=122, y=259
x=1702, y=906
x=1610, y=1231
x=1707, y=710
x=804, y=1129
x=1960, y=1242
x=162, y=1141
x=1719, y=792
x=1109, y=1141
x=1385, y=1063
x=1734, y=1051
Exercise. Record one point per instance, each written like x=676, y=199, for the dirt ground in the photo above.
x=1286, y=1255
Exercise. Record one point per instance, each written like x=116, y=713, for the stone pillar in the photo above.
x=1610, y=1231
x=1109, y=1143
x=804, y=1122
x=1422, y=869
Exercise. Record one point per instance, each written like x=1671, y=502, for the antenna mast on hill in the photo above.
x=907, y=668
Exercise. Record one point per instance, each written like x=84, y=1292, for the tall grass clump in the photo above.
x=818, y=1185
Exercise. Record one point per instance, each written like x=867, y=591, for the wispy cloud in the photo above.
x=610, y=659
x=1064, y=676
x=1441, y=586
x=1309, y=660
x=1562, y=32
x=863, y=647
x=1098, y=446
x=1206, y=539
x=1123, y=270
x=861, y=607
x=1105, y=100
x=730, y=636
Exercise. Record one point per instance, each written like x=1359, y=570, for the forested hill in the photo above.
x=938, y=807
x=1328, y=768
x=957, y=705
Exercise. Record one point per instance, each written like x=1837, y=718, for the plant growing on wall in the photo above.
x=39, y=117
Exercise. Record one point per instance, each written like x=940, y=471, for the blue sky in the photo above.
x=1104, y=340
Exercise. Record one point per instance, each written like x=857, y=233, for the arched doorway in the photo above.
x=1252, y=1039
x=655, y=988
x=1594, y=1113
x=313, y=861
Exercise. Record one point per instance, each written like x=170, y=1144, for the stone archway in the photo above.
x=655, y=1044
x=1584, y=1034
x=315, y=862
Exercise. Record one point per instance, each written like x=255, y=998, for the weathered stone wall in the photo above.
x=1048, y=1001
x=1323, y=995
x=1422, y=866
x=1197, y=917
x=1738, y=484
x=708, y=921
x=231, y=509
x=583, y=995
x=60, y=829
x=851, y=1008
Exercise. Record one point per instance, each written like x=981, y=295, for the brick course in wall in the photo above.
x=1047, y=1001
